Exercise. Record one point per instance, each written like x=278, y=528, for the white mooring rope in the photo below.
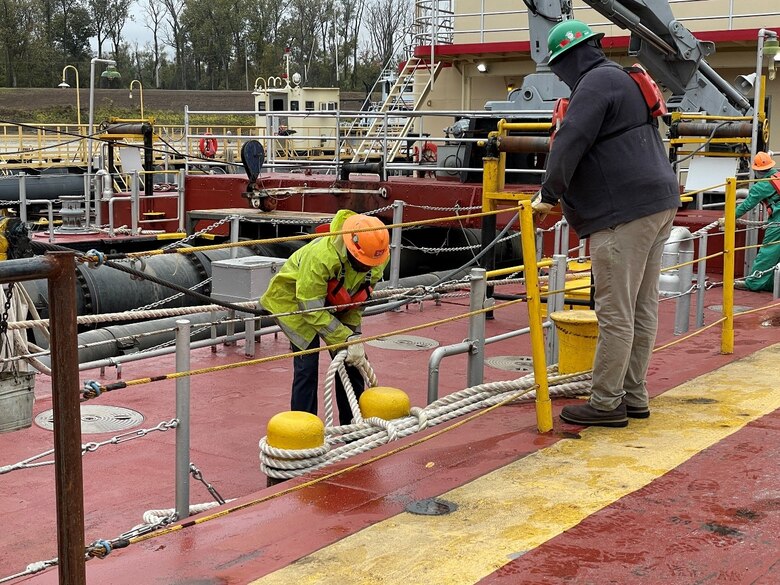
x=345, y=441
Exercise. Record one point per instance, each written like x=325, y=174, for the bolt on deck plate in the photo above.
x=404, y=342
x=97, y=419
x=511, y=363
x=431, y=507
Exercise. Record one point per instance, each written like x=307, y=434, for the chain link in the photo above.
x=205, y=230
x=31, y=462
x=170, y=298
x=9, y=291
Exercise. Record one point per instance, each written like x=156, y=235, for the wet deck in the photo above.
x=686, y=496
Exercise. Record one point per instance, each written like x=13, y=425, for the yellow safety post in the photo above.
x=384, y=402
x=729, y=243
x=493, y=182
x=544, y=421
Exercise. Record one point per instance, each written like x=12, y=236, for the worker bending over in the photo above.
x=326, y=272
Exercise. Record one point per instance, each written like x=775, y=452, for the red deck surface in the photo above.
x=229, y=413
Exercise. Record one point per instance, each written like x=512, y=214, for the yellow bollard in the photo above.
x=577, y=335
x=295, y=430
x=575, y=289
x=384, y=402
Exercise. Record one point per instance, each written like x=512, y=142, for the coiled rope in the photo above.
x=344, y=441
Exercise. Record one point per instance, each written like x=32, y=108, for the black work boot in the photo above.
x=637, y=411
x=586, y=415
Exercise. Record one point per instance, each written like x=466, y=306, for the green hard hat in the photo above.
x=567, y=34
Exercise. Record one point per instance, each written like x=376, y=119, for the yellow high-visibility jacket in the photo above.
x=302, y=283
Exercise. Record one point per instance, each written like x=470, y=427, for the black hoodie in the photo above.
x=607, y=165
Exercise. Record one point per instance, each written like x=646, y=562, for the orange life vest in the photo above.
x=338, y=294
x=654, y=98
x=774, y=180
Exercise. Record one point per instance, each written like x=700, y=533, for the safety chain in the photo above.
x=456, y=208
x=171, y=298
x=198, y=476
x=30, y=462
x=9, y=291
x=381, y=209
x=456, y=249
x=170, y=342
x=205, y=230
x=754, y=274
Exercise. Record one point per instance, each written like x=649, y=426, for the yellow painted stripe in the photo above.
x=524, y=504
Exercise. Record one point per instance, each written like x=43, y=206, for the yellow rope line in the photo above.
x=331, y=475
x=693, y=334
x=257, y=361
x=312, y=236
x=767, y=244
x=749, y=311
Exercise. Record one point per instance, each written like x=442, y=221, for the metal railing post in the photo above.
x=776, y=283
x=87, y=196
x=180, y=193
x=183, y=416
x=555, y=302
x=682, y=309
x=701, y=279
x=97, y=180
x=235, y=224
x=23, y=197
x=186, y=138
x=385, y=121
x=395, y=244
x=475, y=367
x=134, y=203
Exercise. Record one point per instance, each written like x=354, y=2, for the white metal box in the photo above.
x=243, y=279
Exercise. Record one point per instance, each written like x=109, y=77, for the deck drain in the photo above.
x=97, y=419
x=737, y=308
x=404, y=342
x=432, y=507
x=512, y=363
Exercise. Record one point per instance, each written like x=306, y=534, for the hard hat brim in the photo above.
x=554, y=56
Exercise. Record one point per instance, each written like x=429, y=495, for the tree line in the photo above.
x=201, y=44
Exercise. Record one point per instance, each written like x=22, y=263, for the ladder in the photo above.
x=384, y=133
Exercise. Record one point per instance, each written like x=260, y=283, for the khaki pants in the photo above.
x=626, y=261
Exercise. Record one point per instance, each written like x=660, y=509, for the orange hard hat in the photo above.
x=763, y=162
x=368, y=248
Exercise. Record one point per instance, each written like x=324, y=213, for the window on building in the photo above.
x=309, y=106
x=295, y=105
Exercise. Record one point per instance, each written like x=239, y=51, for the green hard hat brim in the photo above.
x=574, y=43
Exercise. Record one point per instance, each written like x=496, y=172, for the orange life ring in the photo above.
x=208, y=146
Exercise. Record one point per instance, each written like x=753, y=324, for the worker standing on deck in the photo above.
x=768, y=193
x=328, y=271
x=608, y=169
